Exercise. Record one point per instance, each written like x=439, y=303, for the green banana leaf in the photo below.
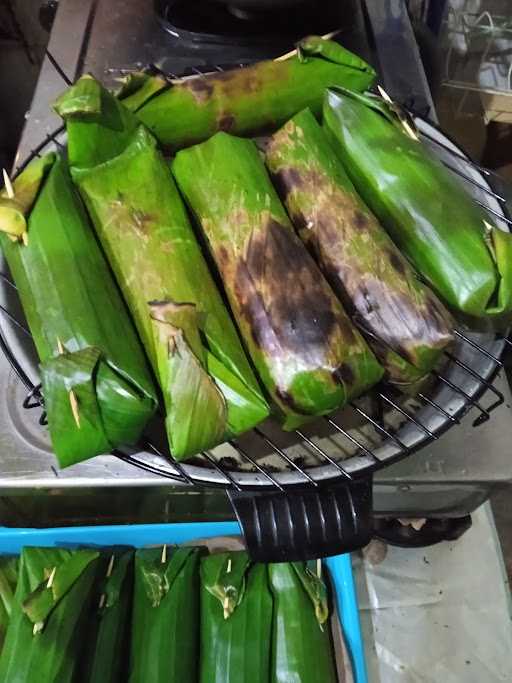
x=96, y=384
x=448, y=238
x=305, y=349
x=106, y=656
x=8, y=580
x=236, y=620
x=45, y=635
x=243, y=101
x=302, y=648
x=209, y=389
x=165, y=621
x=408, y=326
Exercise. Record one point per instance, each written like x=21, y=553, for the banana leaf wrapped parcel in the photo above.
x=307, y=353
x=209, y=389
x=97, y=388
x=243, y=101
x=108, y=635
x=8, y=579
x=44, y=639
x=408, y=326
x=450, y=240
x=302, y=646
x=236, y=619
x=165, y=620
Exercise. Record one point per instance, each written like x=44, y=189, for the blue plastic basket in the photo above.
x=340, y=568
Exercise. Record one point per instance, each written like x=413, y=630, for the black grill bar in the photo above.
x=437, y=407
x=382, y=430
x=14, y=320
x=225, y=473
x=484, y=415
x=352, y=439
x=323, y=455
x=478, y=348
x=256, y=464
x=36, y=152
x=192, y=475
x=285, y=457
x=408, y=415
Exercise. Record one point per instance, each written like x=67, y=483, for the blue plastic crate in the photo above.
x=340, y=568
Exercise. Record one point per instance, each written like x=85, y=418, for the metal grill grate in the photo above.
x=368, y=434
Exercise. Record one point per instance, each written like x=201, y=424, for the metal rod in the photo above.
x=36, y=151
x=474, y=374
x=460, y=391
x=323, y=454
x=7, y=281
x=479, y=348
x=14, y=320
x=225, y=473
x=256, y=464
x=58, y=68
x=352, y=439
x=487, y=190
x=175, y=463
x=285, y=457
x=406, y=414
x=437, y=407
x=501, y=216
x=379, y=427
x=458, y=155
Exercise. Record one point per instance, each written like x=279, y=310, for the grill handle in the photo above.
x=305, y=525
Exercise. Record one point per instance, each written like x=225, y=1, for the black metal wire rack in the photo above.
x=369, y=433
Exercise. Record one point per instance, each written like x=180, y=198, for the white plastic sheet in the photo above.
x=439, y=614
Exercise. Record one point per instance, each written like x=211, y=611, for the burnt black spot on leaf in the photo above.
x=361, y=220
x=202, y=88
x=286, y=180
x=287, y=399
x=344, y=374
x=396, y=261
x=226, y=122
x=282, y=295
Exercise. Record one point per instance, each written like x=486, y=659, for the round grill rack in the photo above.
x=337, y=453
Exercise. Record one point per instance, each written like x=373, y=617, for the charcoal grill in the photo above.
x=308, y=494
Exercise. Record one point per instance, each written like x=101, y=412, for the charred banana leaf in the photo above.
x=105, y=658
x=96, y=383
x=243, y=101
x=448, y=238
x=408, y=327
x=44, y=640
x=165, y=622
x=302, y=648
x=8, y=580
x=236, y=620
x=209, y=389
x=305, y=349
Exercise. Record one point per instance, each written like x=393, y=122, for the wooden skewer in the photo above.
x=228, y=570
x=110, y=565
x=319, y=568
x=405, y=124
x=51, y=577
x=326, y=36
x=8, y=185
x=74, y=407
x=164, y=553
